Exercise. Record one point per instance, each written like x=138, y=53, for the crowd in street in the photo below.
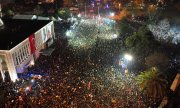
x=71, y=79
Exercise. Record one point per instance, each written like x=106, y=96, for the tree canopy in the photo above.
x=152, y=82
x=63, y=13
x=158, y=59
x=141, y=42
x=124, y=26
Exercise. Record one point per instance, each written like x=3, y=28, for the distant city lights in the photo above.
x=32, y=81
x=107, y=6
x=27, y=88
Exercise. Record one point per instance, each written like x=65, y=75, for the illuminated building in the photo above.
x=21, y=44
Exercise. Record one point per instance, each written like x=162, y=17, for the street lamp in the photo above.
x=126, y=62
x=112, y=14
x=114, y=36
x=119, y=6
x=79, y=15
x=128, y=57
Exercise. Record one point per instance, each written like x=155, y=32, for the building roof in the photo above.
x=16, y=30
x=30, y=17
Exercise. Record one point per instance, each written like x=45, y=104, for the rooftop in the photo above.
x=16, y=30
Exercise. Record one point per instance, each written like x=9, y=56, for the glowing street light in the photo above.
x=32, y=81
x=67, y=33
x=79, y=15
x=128, y=57
x=112, y=14
x=114, y=36
x=119, y=6
x=27, y=88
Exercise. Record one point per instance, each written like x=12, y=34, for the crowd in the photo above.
x=165, y=31
x=77, y=79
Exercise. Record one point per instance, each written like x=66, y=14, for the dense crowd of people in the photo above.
x=71, y=78
x=163, y=31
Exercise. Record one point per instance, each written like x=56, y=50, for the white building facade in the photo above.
x=19, y=58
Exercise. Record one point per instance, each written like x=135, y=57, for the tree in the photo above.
x=63, y=13
x=157, y=59
x=141, y=43
x=9, y=13
x=152, y=82
x=124, y=27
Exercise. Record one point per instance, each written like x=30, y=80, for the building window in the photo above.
x=27, y=54
x=17, y=58
x=21, y=55
x=24, y=51
x=24, y=57
x=28, y=46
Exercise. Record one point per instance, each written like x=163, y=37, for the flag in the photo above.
x=32, y=43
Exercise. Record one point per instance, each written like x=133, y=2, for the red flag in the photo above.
x=32, y=43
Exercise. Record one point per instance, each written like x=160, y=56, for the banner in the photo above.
x=38, y=39
x=49, y=33
x=32, y=43
x=44, y=35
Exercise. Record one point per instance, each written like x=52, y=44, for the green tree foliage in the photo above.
x=141, y=43
x=63, y=13
x=124, y=27
x=8, y=13
x=157, y=59
x=152, y=82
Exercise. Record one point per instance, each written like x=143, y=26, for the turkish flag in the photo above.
x=32, y=43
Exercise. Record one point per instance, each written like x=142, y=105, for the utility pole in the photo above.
x=0, y=11
x=85, y=9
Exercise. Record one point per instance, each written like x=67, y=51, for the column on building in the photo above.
x=14, y=58
x=52, y=31
x=0, y=11
x=2, y=73
x=29, y=50
x=24, y=52
x=11, y=67
x=26, y=49
x=18, y=56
